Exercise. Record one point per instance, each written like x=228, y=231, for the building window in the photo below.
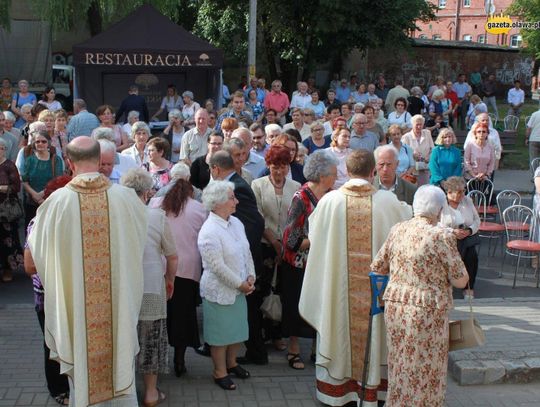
x=423, y=36
x=515, y=41
x=467, y=37
x=437, y=37
x=482, y=39
x=466, y=3
x=442, y=3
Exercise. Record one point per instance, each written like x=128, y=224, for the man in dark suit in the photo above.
x=222, y=168
x=133, y=102
x=386, y=162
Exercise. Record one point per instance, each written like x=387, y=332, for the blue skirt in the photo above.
x=225, y=324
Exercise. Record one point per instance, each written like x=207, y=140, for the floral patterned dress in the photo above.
x=422, y=260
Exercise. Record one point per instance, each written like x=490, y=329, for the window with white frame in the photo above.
x=482, y=39
x=436, y=37
x=515, y=41
x=467, y=37
x=466, y=3
x=423, y=36
x=442, y=3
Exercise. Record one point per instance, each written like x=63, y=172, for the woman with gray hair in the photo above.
x=419, y=139
x=229, y=275
x=320, y=171
x=138, y=151
x=9, y=123
x=189, y=109
x=132, y=117
x=174, y=132
x=440, y=104
x=423, y=263
x=153, y=357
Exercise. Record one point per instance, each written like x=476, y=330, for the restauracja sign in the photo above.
x=118, y=58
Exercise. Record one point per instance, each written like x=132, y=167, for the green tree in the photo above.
x=528, y=11
x=296, y=35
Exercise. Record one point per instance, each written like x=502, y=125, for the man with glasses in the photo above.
x=259, y=140
x=360, y=137
x=277, y=100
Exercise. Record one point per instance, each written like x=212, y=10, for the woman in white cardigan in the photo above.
x=274, y=195
x=228, y=276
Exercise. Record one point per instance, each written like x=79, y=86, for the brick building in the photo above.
x=464, y=20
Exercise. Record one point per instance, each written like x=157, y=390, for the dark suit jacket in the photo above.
x=404, y=189
x=133, y=102
x=248, y=214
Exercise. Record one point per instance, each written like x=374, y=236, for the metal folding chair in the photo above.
x=494, y=119
x=511, y=123
x=486, y=229
x=486, y=187
x=520, y=224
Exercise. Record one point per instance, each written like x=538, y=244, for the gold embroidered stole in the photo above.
x=95, y=232
x=359, y=243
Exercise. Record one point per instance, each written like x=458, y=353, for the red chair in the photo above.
x=520, y=224
x=487, y=229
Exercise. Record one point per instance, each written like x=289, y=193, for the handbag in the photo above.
x=271, y=306
x=11, y=209
x=466, y=333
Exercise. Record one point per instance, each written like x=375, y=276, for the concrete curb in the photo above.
x=473, y=368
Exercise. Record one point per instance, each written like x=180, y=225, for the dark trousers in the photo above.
x=470, y=259
x=255, y=348
x=56, y=383
x=462, y=113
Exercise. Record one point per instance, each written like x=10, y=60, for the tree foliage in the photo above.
x=528, y=11
x=293, y=35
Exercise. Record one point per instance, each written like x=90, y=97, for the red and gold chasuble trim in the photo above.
x=95, y=230
x=359, y=243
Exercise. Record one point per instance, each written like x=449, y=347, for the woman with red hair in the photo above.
x=274, y=194
x=479, y=155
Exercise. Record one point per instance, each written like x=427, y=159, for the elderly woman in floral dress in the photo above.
x=423, y=262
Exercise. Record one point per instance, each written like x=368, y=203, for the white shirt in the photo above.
x=300, y=101
x=226, y=258
x=534, y=125
x=516, y=96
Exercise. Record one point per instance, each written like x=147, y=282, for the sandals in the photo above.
x=295, y=361
x=62, y=399
x=161, y=399
x=239, y=372
x=225, y=383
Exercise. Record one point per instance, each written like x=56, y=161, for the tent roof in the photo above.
x=147, y=30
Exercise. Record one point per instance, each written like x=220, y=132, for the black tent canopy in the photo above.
x=148, y=49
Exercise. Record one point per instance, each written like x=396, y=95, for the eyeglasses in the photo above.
x=318, y=129
x=216, y=144
x=481, y=131
x=41, y=142
x=360, y=122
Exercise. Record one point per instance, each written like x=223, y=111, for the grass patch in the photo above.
x=519, y=160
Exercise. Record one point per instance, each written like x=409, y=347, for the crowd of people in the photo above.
x=130, y=230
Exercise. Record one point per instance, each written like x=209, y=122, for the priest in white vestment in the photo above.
x=346, y=230
x=87, y=245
